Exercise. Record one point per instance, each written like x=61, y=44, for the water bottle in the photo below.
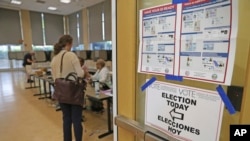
x=97, y=88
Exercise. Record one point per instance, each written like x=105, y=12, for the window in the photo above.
x=101, y=45
x=4, y=58
x=43, y=29
x=103, y=26
x=47, y=28
x=75, y=30
x=100, y=26
x=44, y=48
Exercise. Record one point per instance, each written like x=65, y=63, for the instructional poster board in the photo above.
x=203, y=45
x=157, y=51
x=185, y=113
x=207, y=48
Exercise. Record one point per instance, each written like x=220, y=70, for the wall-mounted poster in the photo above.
x=208, y=40
x=184, y=113
x=157, y=39
x=196, y=40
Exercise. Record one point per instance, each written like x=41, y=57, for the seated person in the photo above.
x=102, y=75
x=85, y=68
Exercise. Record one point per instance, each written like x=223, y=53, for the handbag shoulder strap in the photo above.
x=62, y=63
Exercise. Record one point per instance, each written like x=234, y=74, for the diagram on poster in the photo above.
x=196, y=40
x=157, y=39
x=185, y=113
x=207, y=43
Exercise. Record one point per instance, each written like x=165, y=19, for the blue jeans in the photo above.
x=72, y=114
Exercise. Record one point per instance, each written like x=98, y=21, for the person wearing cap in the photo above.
x=27, y=62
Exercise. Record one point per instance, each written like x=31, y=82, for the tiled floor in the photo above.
x=23, y=117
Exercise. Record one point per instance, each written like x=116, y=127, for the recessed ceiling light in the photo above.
x=16, y=2
x=52, y=8
x=65, y=1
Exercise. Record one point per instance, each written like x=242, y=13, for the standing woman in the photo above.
x=72, y=114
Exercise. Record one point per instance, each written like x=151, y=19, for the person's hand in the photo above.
x=90, y=81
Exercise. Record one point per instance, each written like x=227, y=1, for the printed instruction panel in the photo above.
x=186, y=113
x=158, y=39
x=203, y=44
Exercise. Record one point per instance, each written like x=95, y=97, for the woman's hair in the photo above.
x=100, y=62
x=63, y=41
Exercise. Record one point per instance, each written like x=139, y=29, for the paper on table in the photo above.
x=107, y=92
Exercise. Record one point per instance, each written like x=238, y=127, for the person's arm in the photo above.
x=86, y=72
x=95, y=76
x=29, y=60
x=77, y=66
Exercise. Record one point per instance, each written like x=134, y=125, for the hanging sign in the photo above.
x=185, y=113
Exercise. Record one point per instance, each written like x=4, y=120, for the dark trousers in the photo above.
x=72, y=114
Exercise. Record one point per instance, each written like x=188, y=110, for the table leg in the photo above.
x=44, y=90
x=40, y=91
x=50, y=93
x=30, y=87
x=110, y=131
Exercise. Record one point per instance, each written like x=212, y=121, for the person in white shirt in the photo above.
x=72, y=114
x=102, y=75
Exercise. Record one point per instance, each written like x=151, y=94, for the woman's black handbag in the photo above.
x=70, y=91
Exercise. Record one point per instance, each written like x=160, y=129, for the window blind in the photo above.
x=95, y=23
x=36, y=27
x=80, y=27
x=107, y=21
x=10, y=27
x=53, y=28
